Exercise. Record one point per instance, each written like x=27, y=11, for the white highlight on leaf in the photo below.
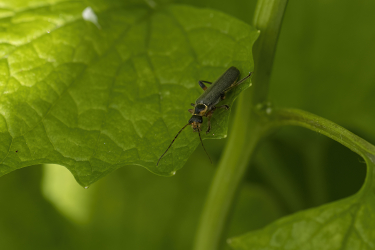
x=88, y=14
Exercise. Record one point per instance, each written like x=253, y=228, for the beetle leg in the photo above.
x=229, y=88
x=201, y=83
x=192, y=104
x=191, y=111
x=235, y=84
x=224, y=106
x=208, y=123
x=209, y=115
x=222, y=96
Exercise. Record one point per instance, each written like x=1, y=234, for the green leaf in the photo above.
x=345, y=224
x=94, y=97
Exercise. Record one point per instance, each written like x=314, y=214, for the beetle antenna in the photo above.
x=171, y=143
x=203, y=146
x=244, y=79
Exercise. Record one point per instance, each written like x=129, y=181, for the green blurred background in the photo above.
x=324, y=64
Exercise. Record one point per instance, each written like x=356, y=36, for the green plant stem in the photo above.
x=268, y=18
x=245, y=134
x=227, y=178
x=282, y=117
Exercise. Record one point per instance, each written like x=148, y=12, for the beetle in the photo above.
x=206, y=103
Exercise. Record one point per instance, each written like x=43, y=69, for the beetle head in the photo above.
x=196, y=122
x=200, y=109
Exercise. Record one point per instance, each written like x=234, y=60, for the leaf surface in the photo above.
x=94, y=97
x=346, y=224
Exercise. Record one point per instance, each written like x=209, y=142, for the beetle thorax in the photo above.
x=200, y=109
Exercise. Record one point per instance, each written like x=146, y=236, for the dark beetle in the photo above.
x=205, y=105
